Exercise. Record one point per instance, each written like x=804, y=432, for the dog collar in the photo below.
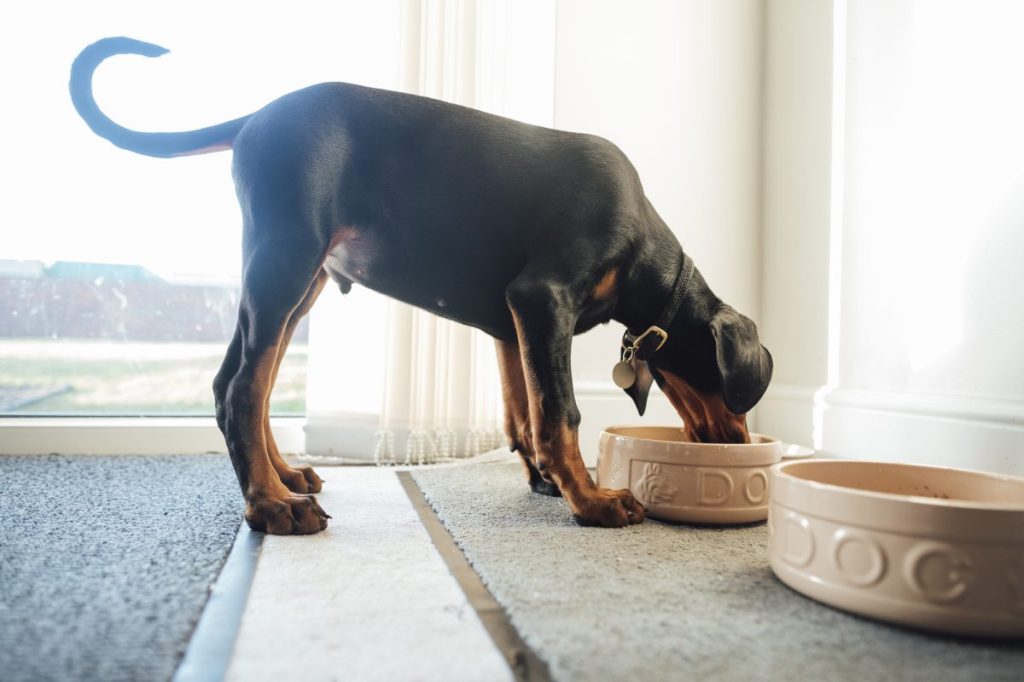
x=642, y=346
x=650, y=341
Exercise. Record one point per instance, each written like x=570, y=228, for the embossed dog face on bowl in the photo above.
x=929, y=547
x=679, y=480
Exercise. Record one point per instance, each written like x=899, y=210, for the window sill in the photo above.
x=130, y=435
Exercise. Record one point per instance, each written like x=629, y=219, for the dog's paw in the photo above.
x=302, y=480
x=542, y=487
x=610, y=509
x=292, y=515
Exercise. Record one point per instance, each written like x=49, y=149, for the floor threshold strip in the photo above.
x=210, y=649
x=526, y=666
x=213, y=641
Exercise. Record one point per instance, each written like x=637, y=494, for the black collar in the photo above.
x=647, y=343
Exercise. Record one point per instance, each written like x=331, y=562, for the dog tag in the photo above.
x=623, y=374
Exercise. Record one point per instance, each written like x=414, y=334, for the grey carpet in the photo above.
x=665, y=602
x=106, y=562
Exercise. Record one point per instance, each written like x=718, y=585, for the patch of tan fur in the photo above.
x=606, y=285
x=283, y=469
x=706, y=419
x=343, y=233
x=515, y=399
x=263, y=478
x=556, y=445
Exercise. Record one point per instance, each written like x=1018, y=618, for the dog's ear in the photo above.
x=744, y=365
x=641, y=384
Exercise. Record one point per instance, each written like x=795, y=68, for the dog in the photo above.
x=530, y=234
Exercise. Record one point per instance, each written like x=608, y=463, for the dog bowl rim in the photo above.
x=765, y=439
x=694, y=458
x=689, y=453
x=784, y=477
x=904, y=527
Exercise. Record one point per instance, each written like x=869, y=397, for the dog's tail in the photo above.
x=213, y=139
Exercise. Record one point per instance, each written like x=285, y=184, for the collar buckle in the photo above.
x=657, y=331
x=634, y=347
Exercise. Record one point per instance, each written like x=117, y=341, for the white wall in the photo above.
x=934, y=200
x=921, y=303
x=847, y=173
x=676, y=85
x=842, y=172
x=797, y=230
x=797, y=186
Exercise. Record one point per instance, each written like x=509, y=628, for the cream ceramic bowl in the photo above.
x=933, y=548
x=679, y=480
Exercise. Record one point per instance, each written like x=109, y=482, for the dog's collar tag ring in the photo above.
x=623, y=373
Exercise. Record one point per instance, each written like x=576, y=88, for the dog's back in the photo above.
x=428, y=195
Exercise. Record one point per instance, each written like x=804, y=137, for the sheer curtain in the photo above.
x=442, y=397
x=431, y=392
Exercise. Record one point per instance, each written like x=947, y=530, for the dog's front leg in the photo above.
x=517, y=415
x=545, y=319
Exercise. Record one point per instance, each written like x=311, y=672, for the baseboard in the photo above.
x=958, y=431
x=602, y=404
x=945, y=430
x=338, y=436
x=787, y=412
x=354, y=437
x=346, y=437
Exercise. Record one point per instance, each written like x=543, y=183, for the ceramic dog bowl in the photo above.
x=679, y=480
x=934, y=548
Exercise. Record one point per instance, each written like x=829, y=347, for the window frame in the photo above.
x=31, y=435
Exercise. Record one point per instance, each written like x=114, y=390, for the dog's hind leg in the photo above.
x=277, y=276
x=301, y=479
x=517, y=414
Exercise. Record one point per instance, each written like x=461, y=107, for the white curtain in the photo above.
x=438, y=395
x=442, y=397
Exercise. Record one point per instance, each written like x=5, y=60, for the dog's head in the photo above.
x=713, y=373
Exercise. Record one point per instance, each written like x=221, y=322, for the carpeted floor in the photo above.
x=664, y=602
x=106, y=562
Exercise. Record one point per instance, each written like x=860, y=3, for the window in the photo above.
x=119, y=273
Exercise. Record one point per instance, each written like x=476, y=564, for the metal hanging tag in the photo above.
x=623, y=373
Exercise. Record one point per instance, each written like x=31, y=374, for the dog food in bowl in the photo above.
x=679, y=480
x=929, y=547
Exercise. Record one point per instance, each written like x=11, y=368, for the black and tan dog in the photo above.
x=530, y=234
